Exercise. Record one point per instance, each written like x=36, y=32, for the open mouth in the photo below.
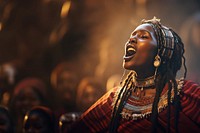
x=130, y=52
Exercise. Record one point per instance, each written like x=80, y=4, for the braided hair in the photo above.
x=171, y=62
x=172, y=57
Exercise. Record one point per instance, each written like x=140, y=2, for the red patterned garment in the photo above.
x=97, y=117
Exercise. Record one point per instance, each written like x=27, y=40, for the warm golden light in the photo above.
x=142, y=2
x=65, y=9
x=60, y=124
x=26, y=117
x=1, y=26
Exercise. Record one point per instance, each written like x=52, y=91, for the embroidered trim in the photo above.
x=133, y=110
x=140, y=83
x=137, y=112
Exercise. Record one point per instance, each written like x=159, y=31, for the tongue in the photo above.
x=130, y=52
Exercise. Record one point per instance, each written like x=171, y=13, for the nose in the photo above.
x=132, y=39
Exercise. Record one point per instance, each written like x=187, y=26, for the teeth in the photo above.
x=131, y=49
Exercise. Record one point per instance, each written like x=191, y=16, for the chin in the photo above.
x=132, y=65
x=128, y=66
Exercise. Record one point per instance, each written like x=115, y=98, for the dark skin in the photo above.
x=140, y=52
x=143, y=40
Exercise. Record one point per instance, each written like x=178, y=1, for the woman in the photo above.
x=150, y=98
x=39, y=119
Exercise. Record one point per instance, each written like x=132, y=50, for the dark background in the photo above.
x=36, y=35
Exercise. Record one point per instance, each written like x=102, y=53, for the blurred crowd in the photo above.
x=33, y=105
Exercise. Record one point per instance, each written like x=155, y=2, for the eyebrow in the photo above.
x=137, y=31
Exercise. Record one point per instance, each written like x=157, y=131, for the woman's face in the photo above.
x=26, y=99
x=141, y=49
x=66, y=86
x=36, y=123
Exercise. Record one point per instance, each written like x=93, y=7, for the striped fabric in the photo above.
x=190, y=101
x=97, y=117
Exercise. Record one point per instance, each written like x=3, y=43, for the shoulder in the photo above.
x=191, y=90
x=103, y=105
x=190, y=100
x=105, y=100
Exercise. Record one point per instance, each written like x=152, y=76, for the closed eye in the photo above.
x=144, y=36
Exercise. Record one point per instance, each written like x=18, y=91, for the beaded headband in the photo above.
x=164, y=37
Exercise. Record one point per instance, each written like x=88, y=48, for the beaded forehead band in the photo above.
x=164, y=37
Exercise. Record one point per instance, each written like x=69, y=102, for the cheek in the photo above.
x=146, y=57
x=142, y=56
x=146, y=53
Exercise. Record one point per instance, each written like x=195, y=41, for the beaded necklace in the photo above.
x=138, y=108
x=140, y=84
x=144, y=83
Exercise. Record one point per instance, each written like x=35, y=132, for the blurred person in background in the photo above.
x=28, y=93
x=89, y=91
x=113, y=81
x=64, y=81
x=7, y=81
x=39, y=119
x=6, y=121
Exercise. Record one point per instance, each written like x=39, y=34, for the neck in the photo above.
x=144, y=82
x=145, y=73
